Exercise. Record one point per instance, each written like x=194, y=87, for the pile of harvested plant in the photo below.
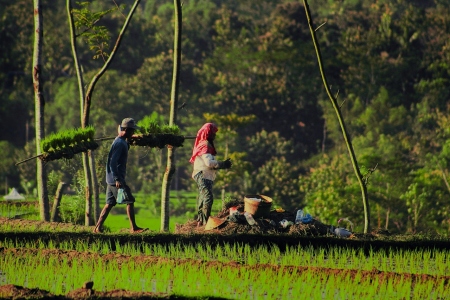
x=264, y=225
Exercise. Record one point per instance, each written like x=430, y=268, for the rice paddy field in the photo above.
x=64, y=261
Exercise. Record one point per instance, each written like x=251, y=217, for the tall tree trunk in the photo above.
x=345, y=134
x=386, y=225
x=90, y=89
x=75, y=56
x=56, y=202
x=93, y=182
x=87, y=173
x=88, y=220
x=95, y=186
x=39, y=110
x=170, y=167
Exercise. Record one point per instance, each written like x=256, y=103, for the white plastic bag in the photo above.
x=120, y=196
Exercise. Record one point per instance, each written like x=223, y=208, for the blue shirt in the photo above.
x=116, y=166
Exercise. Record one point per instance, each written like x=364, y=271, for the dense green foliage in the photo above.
x=388, y=60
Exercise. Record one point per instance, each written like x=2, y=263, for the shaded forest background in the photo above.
x=251, y=67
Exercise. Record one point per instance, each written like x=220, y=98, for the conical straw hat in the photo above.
x=214, y=222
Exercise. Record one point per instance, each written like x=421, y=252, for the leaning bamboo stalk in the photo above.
x=345, y=134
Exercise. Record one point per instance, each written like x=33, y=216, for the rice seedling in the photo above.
x=170, y=129
x=401, y=261
x=53, y=142
x=45, y=146
x=66, y=139
x=149, y=125
x=78, y=136
x=66, y=143
x=153, y=128
x=90, y=133
x=59, y=137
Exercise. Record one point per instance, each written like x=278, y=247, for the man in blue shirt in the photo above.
x=116, y=169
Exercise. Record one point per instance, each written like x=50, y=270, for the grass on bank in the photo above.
x=147, y=209
x=116, y=223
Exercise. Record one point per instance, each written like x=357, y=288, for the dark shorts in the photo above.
x=111, y=195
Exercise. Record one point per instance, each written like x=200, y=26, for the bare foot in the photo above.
x=138, y=230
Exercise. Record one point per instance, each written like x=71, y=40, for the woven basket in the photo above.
x=259, y=209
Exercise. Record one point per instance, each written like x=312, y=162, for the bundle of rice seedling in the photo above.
x=148, y=125
x=152, y=135
x=67, y=143
x=170, y=129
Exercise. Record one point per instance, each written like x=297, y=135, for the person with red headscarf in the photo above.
x=205, y=166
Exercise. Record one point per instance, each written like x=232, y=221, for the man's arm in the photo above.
x=114, y=166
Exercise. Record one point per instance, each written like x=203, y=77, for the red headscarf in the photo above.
x=203, y=143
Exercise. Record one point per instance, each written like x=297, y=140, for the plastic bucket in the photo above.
x=258, y=205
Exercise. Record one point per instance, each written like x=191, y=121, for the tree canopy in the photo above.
x=388, y=62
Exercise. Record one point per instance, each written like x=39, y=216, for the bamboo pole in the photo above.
x=188, y=137
x=345, y=133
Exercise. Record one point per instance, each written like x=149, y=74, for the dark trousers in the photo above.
x=205, y=197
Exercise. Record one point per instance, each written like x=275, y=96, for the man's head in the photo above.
x=129, y=126
x=129, y=123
